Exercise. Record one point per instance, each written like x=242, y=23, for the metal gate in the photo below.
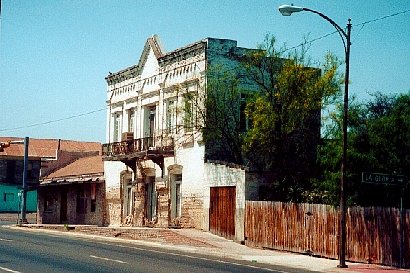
x=222, y=211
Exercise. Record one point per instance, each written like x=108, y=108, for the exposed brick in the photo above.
x=113, y=203
x=192, y=212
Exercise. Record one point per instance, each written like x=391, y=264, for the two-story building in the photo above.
x=154, y=159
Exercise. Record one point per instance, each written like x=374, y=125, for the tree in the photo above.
x=379, y=142
x=215, y=110
x=285, y=115
x=266, y=114
x=223, y=130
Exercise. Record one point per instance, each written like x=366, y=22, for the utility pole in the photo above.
x=23, y=218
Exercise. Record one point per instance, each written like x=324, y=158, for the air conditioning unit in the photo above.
x=127, y=136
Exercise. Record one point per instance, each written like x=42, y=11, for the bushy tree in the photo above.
x=378, y=142
x=266, y=114
x=223, y=128
x=285, y=115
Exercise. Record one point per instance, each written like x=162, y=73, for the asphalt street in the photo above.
x=33, y=251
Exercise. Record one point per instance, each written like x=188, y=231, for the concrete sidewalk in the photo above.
x=200, y=242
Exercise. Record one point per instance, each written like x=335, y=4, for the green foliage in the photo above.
x=222, y=130
x=285, y=116
x=378, y=142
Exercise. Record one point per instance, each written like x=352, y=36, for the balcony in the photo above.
x=139, y=148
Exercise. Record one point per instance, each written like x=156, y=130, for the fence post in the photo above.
x=401, y=263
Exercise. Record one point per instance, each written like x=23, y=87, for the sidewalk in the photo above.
x=200, y=242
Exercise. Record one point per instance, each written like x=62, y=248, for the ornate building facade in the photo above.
x=154, y=160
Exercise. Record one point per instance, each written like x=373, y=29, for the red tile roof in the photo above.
x=47, y=148
x=86, y=166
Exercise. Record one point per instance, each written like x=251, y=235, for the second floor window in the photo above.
x=189, y=114
x=243, y=119
x=11, y=170
x=171, y=116
x=131, y=121
x=117, y=123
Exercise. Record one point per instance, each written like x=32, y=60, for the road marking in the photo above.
x=9, y=270
x=193, y=257
x=7, y=240
x=108, y=259
x=54, y=236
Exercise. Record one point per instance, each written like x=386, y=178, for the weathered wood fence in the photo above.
x=373, y=234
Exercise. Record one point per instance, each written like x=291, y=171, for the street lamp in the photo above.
x=287, y=10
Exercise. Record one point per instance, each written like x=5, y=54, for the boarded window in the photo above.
x=8, y=197
x=93, y=197
x=81, y=201
x=49, y=203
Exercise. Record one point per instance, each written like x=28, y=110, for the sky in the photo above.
x=54, y=55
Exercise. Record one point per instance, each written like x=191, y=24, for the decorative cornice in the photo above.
x=183, y=53
x=122, y=75
x=150, y=94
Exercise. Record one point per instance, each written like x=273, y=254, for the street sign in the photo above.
x=381, y=178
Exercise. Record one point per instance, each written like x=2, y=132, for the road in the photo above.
x=35, y=251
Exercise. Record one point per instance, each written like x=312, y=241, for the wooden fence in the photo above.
x=373, y=234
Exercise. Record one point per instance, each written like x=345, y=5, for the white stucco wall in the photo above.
x=112, y=171
x=170, y=77
x=219, y=175
x=192, y=160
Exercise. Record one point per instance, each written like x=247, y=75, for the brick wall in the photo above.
x=53, y=214
x=17, y=177
x=163, y=207
x=113, y=206
x=192, y=212
x=139, y=205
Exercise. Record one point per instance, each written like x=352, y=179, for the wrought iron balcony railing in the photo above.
x=160, y=144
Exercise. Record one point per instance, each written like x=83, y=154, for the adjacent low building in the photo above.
x=73, y=194
x=45, y=156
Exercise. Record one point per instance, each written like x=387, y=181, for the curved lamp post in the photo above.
x=287, y=10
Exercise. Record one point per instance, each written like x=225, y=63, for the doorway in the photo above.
x=222, y=209
x=63, y=207
x=151, y=199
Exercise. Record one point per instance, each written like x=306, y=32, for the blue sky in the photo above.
x=54, y=55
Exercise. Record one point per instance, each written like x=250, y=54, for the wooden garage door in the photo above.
x=222, y=211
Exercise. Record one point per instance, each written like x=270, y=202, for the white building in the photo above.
x=156, y=174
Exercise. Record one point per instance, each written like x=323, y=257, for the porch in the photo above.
x=139, y=148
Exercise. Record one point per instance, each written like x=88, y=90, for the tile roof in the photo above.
x=47, y=148
x=82, y=167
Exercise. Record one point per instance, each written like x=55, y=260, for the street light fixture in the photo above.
x=287, y=10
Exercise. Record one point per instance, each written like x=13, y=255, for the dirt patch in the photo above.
x=168, y=236
x=144, y=234
x=13, y=217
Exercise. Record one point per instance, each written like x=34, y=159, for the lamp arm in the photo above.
x=341, y=32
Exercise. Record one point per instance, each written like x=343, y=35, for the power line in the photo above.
x=360, y=24
x=294, y=47
x=382, y=18
x=53, y=121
